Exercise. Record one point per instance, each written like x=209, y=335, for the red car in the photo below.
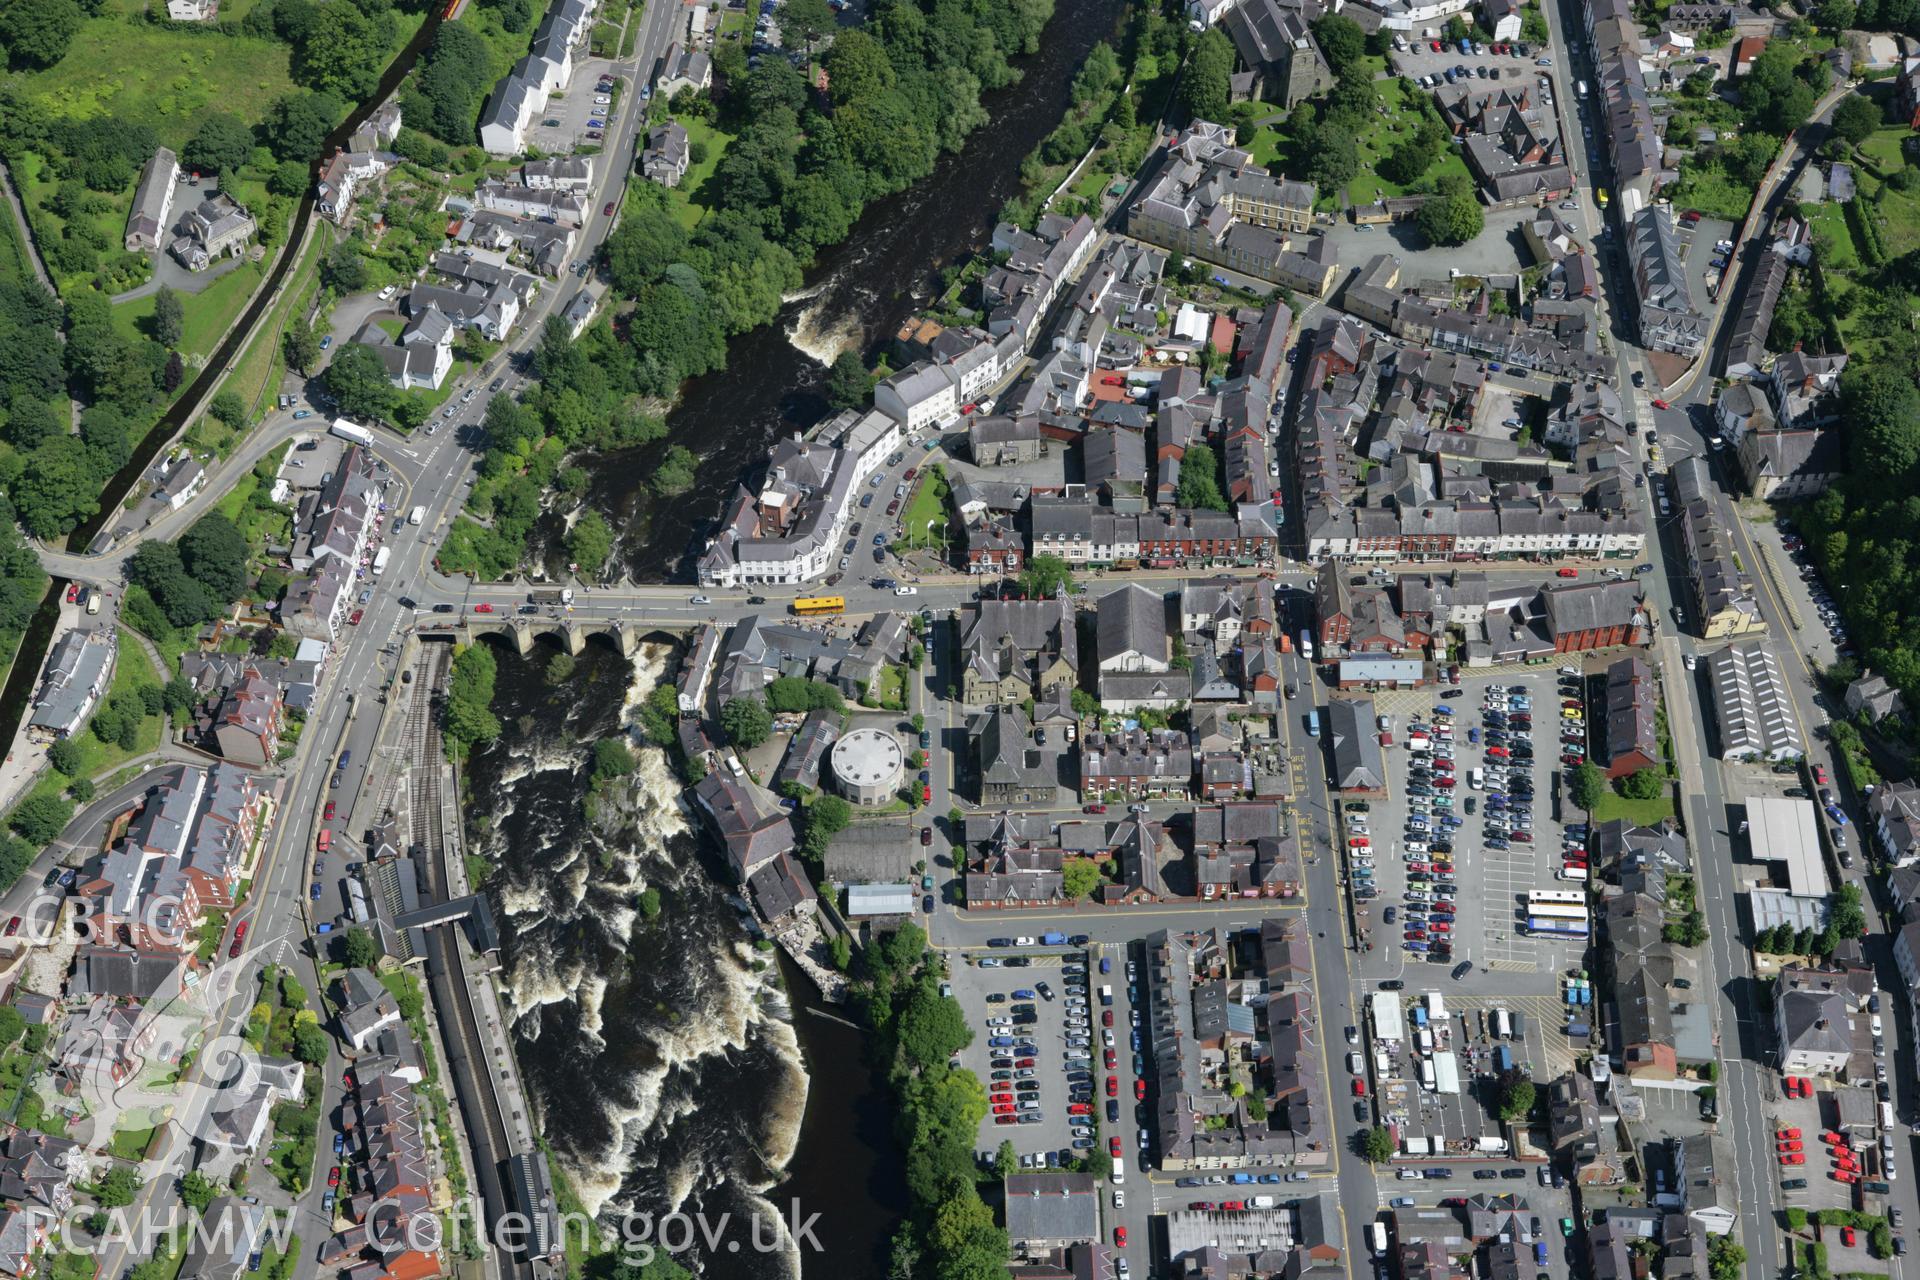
x=1788, y=1134
x=1661, y=404
x=1790, y=1145
x=1114, y=1148
x=1113, y=1088
x=1841, y=1175
x=1801, y=1087
x=333, y=1177
x=1004, y=1110
x=1120, y=1233
x=1567, y=573
x=1793, y=1158
x=1360, y=842
x=1443, y=766
x=483, y=608
x=1000, y=1097
x=914, y=471
x=1093, y=808
x=1006, y=1119
x=13, y=926
x=893, y=506
x=1106, y=1017
x=1439, y=926
x=1820, y=774
x=1080, y=1109
x=1829, y=1137
x=1691, y=215
x=1419, y=866
x=1359, y=1087
x=1201, y=1206
x=73, y=592
x=1435, y=45
x=327, y=813
x=353, y=619
x=1499, y=753
x=239, y=936
x=1573, y=758
x=1024, y=1062
x=1847, y=1237
x=1444, y=783
x=1113, y=1060
x=1139, y=1089
x=1233, y=1206
x=608, y=211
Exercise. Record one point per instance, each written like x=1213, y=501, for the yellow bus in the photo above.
x=1601, y=195
x=807, y=606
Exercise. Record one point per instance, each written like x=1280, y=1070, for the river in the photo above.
x=671, y=1067
x=857, y=293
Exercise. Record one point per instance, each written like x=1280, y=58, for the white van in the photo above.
x=1886, y=1115
x=1426, y=1074
x=1377, y=1237
x=1477, y=779
x=1573, y=873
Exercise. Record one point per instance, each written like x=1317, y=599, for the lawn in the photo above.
x=131, y=670
x=1887, y=148
x=208, y=314
x=1643, y=813
x=1712, y=192
x=1404, y=102
x=927, y=506
x=170, y=80
x=690, y=199
x=256, y=375
x=1830, y=219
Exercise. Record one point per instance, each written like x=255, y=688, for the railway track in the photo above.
x=487, y=1135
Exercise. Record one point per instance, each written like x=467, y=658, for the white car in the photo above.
x=906, y=591
x=1119, y=1198
x=601, y=99
x=1023, y=942
x=699, y=600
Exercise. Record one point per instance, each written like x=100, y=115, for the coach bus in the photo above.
x=1555, y=927
x=808, y=606
x=1557, y=898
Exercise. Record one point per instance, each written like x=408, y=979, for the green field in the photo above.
x=925, y=521
x=170, y=80
x=208, y=313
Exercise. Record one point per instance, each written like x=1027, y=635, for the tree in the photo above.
x=1856, y=117
x=1198, y=486
x=469, y=708
x=1080, y=878
x=214, y=551
x=933, y=1027
x=301, y=346
x=804, y=21
x=1006, y=1161
x=169, y=317
x=117, y=1188
x=1376, y=1145
x=1882, y=407
x=1587, y=785
x=746, y=721
x=1342, y=41
x=650, y=903
x=830, y=814
x=1516, y=1096
x=36, y=33
x=359, y=949
x=1329, y=153
x=222, y=144
x=612, y=759
x=309, y=1043
x=358, y=379
x=64, y=756
x=849, y=385
x=589, y=542
x=40, y=817
x=1726, y=1259
x=343, y=52
x=1451, y=220
x=297, y=125
x=1643, y=784
x=1833, y=17
x=228, y=408
x=1206, y=86
x=1046, y=576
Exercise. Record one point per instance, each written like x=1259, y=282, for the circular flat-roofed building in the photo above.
x=868, y=766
